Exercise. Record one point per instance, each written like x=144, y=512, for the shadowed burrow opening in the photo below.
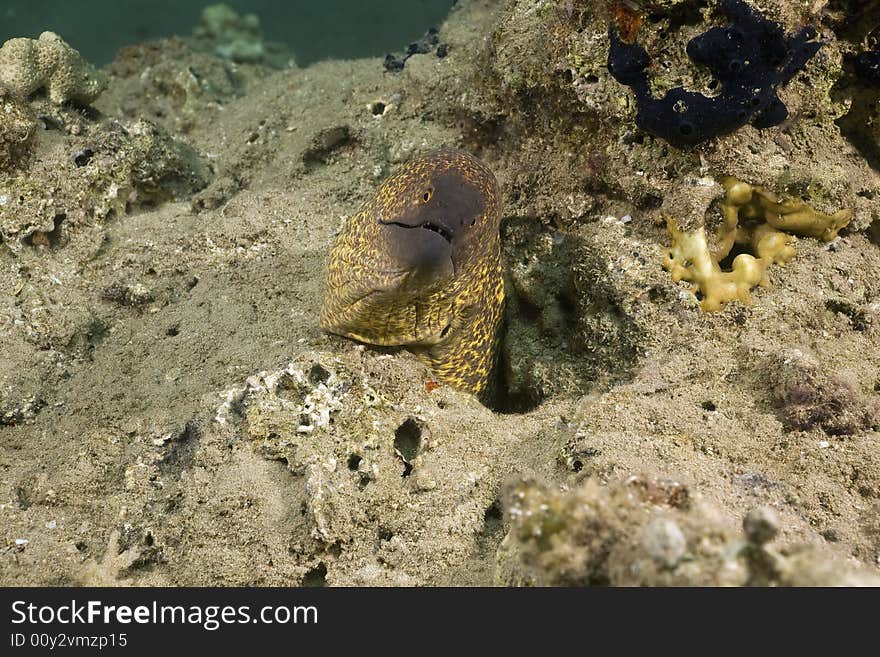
x=316, y=577
x=853, y=126
x=507, y=398
x=318, y=374
x=862, y=95
x=873, y=231
x=538, y=355
x=493, y=520
x=407, y=441
x=180, y=449
x=858, y=317
x=354, y=464
x=51, y=239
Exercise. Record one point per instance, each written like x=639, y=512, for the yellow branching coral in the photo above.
x=751, y=217
x=746, y=202
x=689, y=259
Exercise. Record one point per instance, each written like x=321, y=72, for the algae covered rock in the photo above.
x=50, y=64
x=171, y=84
x=546, y=94
x=396, y=472
x=87, y=176
x=18, y=127
x=807, y=397
x=643, y=532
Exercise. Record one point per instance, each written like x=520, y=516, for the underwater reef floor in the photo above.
x=171, y=414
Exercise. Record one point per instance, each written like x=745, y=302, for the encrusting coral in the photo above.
x=754, y=217
x=49, y=63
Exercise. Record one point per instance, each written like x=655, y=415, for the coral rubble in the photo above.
x=620, y=535
x=50, y=64
x=18, y=126
x=223, y=31
x=750, y=59
x=806, y=398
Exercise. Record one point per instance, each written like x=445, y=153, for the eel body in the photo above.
x=419, y=266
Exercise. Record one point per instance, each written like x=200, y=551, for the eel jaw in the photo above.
x=424, y=251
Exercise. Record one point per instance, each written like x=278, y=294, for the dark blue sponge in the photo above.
x=750, y=58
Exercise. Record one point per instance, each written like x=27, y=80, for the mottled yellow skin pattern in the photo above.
x=451, y=321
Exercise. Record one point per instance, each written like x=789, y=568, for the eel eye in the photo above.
x=427, y=195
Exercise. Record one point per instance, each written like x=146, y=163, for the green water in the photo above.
x=313, y=30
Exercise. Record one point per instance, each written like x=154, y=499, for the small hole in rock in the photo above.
x=83, y=157
x=318, y=374
x=727, y=263
x=378, y=108
x=408, y=439
x=493, y=519
x=708, y=406
x=52, y=239
x=317, y=576
x=354, y=461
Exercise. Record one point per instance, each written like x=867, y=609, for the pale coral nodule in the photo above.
x=49, y=63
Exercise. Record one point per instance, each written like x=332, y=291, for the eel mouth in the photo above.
x=425, y=250
x=441, y=230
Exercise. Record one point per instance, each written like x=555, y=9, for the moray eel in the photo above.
x=419, y=266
